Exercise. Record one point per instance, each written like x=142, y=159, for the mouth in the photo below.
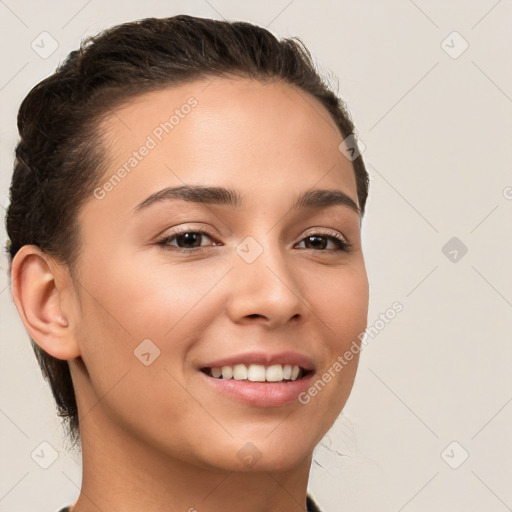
x=260, y=379
x=257, y=384
x=275, y=373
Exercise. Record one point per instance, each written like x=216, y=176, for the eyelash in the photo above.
x=342, y=244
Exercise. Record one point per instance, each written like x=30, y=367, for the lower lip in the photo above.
x=261, y=394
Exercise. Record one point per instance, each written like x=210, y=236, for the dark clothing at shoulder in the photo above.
x=312, y=506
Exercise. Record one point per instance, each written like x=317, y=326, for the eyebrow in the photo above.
x=313, y=198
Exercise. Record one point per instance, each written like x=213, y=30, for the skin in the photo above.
x=157, y=437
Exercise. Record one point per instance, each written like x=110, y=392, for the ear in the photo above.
x=43, y=293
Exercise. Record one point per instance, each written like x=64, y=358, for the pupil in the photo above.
x=323, y=241
x=189, y=238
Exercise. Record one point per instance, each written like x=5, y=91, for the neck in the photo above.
x=122, y=473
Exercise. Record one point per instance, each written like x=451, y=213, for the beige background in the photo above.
x=437, y=128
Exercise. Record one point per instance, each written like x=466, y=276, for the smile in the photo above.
x=257, y=372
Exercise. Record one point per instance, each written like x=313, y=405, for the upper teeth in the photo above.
x=257, y=372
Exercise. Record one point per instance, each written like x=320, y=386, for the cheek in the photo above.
x=122, y=310
x=341, y=301
x=342, y=308
x=150, y=300
x=130, y=310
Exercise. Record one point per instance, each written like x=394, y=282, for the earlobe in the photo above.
x=40, y=291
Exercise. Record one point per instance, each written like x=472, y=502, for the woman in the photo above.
x=185, y=247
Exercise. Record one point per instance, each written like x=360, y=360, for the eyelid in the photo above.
x=314, y=230
x=185, y=228
x=325, y=231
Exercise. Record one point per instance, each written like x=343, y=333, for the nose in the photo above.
x=266, y=290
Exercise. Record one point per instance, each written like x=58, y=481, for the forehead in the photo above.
x=236, y=100
x=267, y=138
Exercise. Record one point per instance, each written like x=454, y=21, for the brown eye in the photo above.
x=320, y=241
x=186, y=240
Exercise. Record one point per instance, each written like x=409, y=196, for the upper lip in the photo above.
x=263, y=358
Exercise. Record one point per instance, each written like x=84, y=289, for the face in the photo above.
x=194, y=279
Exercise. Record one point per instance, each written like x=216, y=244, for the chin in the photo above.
x=263, y=454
